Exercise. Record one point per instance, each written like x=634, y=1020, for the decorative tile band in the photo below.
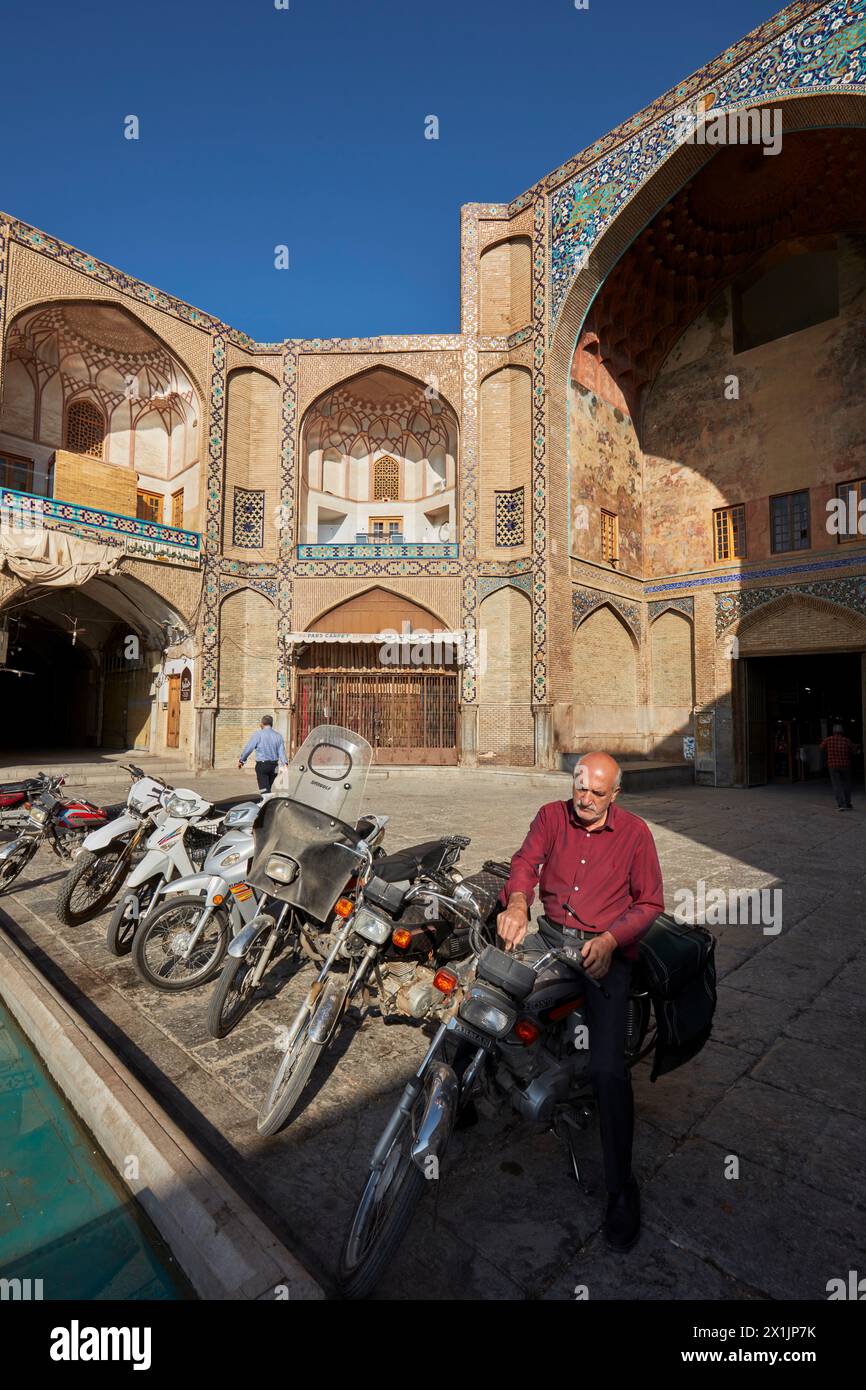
x=745, y=576
x=38, y=510
x=268, y=587
x=209, y=665
x=374, y=550
x=539, y=456
x=731, y=607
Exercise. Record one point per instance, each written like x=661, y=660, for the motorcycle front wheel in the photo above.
x=290, y=1078
x=234, y=993
x=159, y=945
x=90, y=885
x=16, y=864
x=382, y=1217
x=124, y=924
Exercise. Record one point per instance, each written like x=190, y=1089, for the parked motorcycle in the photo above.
x=14, y=798
x=178, y=844
x=182, y=941
x=509, y=1033
x=108, y=853
x=309, y=856
x=58, y=821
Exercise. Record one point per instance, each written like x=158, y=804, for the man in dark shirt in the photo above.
x=598, y=871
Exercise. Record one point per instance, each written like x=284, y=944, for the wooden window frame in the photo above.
x=613, y=528
x=380, y=495
x=789, y=497
x=177, y=505
x=11, y=461
x=146, y=516
x=391, y=522
x=730, y=531
x=859, y=486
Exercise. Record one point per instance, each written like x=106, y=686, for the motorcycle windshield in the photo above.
x=329, y=772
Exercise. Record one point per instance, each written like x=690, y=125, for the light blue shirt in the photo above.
x=269, y=747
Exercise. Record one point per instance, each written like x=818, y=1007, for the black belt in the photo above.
x=561, y=930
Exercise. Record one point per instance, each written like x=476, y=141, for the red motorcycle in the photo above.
x=60, y=822
x=14, y=797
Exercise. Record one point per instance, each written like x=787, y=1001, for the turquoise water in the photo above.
x=65, y=1217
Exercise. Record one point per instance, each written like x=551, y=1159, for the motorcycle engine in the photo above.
x=540, y=1077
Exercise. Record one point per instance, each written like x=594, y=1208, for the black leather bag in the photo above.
x=678, y=969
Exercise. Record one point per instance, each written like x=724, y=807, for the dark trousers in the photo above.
x=610, y=1077
x=265, y=774
x=840, y=777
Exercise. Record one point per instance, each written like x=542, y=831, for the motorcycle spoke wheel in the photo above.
x=159, y=945
x=94, y=884
x=384, y=1212
x=234, y=994
x=12, y=867
x=290, y=1078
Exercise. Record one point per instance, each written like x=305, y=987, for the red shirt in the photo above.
x=839, y=750
x=610, y=877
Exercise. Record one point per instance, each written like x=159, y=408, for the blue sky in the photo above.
x=305, y=127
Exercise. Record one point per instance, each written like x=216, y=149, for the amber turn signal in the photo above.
x=401, y=938
x=345, y=907
x=525, y=1031
x=217, y=899
x=444, y=981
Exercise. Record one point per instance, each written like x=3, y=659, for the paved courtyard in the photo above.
x=780, y=1086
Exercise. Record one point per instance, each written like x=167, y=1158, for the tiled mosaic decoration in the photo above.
x=731, y=607
x=509, y=517
x=248, y=525
x=583, y=601
x=824, y=52
x=683, y=604
x=489, y=583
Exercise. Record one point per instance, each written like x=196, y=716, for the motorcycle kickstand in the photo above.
x=569, y=1125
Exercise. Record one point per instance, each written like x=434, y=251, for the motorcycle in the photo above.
x=14, y=798
x=59, y=821
x=107, y=853
x=509, y=1033
x=181, y=838
x=308, y=855
x=182, y=941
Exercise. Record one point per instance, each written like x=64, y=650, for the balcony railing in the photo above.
x=149, y=539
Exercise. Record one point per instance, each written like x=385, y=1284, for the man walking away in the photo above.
x=270, y=750
x=840, y=752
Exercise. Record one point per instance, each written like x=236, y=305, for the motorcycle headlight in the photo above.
x=489, y=1010
x=375, y=929
x=281, y=868
x=38, y=814
x=179, y=806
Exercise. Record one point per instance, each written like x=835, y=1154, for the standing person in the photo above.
x=598, y=871
x=270, y=750
x=840, y=752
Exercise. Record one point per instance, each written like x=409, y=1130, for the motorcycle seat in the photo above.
x=407, y=864
x=220, y=808
x=15, y=788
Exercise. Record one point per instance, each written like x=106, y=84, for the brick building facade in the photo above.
x=608, y=497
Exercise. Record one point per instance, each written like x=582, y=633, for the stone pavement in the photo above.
x=780, y=1086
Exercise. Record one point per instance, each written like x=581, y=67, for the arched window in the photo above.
x=386, y=480
x=85, y=429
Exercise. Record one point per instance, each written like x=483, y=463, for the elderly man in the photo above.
x=598, y=871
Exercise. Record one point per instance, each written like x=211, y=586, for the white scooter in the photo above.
x=185, y=831
x=182, y=941
x=107, y=853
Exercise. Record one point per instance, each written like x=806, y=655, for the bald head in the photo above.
x=597, y=780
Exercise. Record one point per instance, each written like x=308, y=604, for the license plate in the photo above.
x=456, y=1025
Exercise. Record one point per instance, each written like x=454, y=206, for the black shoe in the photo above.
x=622, y=1222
